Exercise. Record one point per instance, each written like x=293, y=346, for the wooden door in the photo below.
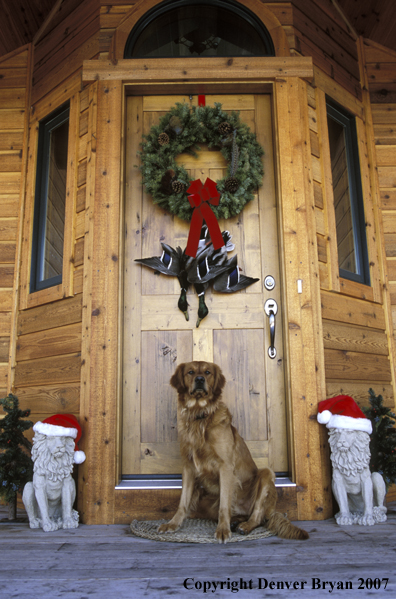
x=235, y=334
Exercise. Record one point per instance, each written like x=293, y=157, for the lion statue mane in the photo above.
x=359, y=493
x=50, y=497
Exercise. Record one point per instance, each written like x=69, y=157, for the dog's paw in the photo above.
x=168, y=527
x=223, y=534
x=243, y=528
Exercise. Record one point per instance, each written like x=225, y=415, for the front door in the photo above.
x=235, y=334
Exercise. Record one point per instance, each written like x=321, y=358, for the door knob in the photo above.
x=271, y=309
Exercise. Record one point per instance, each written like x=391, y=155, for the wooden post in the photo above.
x=100, y=308
x=306, y=354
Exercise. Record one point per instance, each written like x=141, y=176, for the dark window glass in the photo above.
x=348, y=197
x=50, y=199
x=199, y=28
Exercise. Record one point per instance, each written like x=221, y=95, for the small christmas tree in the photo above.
x=383, y=438
x=16, y=467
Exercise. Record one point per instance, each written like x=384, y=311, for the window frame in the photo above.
x=348, y=121
x=40, y=111
x=46, y=126
x=231, y=5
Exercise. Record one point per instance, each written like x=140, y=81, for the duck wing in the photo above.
x=168, y=263
x=232, y=280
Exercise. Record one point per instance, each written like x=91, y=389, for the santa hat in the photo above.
x=62, y=425
x=343, y=412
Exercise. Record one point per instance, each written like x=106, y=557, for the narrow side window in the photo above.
x=348, y=197
x=50, y=200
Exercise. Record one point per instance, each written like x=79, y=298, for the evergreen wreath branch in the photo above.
x=181, y=130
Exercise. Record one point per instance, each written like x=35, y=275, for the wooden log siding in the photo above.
x=14, y=70
x=380, y=68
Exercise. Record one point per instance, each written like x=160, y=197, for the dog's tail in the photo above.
x=281, y=526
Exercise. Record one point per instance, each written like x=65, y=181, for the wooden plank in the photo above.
x=244, y=311
x=388, y=199
x=383, y=114
x=51, y=370
x=50, y=399
x=360, y=391
x=6, y=275
x=8, y=229
x=7, y=252
x=357, y=290
x=348, y=365
x=389, y=221
x=9, y=204
x=79, y=252
x=11, y=140
x=11, y=78
x=352, y=338
x=385, y=134
x=10, y=183
x=11, y=161
x=387, y=176
x=157, y=504
x=41, y=318
x=5, y=300
x=203, y=344
x=12, y=119
x=353, y=311
x=51, y=342
x=131, y=314
x=386, y=155
x=212, y=69
x=4, y=348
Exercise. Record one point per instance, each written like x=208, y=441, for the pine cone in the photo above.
x=163, y=139
x=178, y=186
x=225, y=128
x=231, y=184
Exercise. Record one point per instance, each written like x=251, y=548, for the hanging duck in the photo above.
x=209, y=266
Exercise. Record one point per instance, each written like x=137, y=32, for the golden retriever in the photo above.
x=220, y=479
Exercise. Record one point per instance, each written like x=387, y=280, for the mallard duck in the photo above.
x=209, y=266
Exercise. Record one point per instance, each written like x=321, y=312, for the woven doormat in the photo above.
x=192, y=531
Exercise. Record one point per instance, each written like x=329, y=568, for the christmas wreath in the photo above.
x=182, y=129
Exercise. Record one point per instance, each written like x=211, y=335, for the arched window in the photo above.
x=188, y=28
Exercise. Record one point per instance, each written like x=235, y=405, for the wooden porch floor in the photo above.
x=107, y=561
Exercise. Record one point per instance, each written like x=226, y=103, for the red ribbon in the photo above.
x=200, y=198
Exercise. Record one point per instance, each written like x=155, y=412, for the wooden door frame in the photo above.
x=99, y=502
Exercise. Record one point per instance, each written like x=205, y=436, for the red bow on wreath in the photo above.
x=202, y=195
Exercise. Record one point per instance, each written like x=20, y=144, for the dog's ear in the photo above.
x=219, y=381
x=177, y=379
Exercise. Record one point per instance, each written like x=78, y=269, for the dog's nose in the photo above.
x=199, y=380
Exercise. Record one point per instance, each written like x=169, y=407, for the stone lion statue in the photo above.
x=359, y=493
x=50, y=497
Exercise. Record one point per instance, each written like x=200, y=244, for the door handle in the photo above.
x=271, y=309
